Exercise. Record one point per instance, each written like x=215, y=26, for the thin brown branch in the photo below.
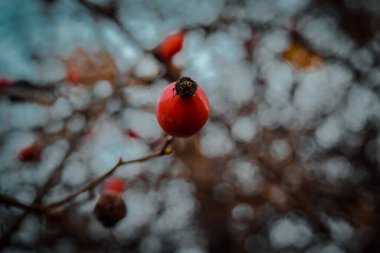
x=25, y=91
x=90, y=112
x=10, y=201
x=166, y=149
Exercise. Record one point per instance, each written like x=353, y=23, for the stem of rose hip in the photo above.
x=185, y=87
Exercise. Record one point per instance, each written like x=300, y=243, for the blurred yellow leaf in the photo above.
x=301, y=56
x=90, y=67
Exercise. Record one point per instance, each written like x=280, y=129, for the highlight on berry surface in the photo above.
x=183, y=108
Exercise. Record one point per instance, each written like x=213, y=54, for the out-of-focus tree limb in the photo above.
x=11, y=201
x=165, y=150
x=8, y=200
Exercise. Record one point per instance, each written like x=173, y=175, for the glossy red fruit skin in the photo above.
x=182, y=117
x=171, y=45
x=115, y=184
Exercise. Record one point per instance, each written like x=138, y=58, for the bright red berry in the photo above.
x=72, y=75
x=171, y=45
x=30, y=153
x=110, y=209
x=183, y=108
x=114, y=184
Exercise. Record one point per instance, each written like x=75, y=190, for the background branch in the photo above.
x=8, y=200
x=165, y=150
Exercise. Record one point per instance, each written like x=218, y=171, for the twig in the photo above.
x=93, y=183
x=8, y=200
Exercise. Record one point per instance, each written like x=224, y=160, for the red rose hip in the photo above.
x=114, y=184
x=171, y=45
x=31, y=153
x=110, y=209
x=183, y=108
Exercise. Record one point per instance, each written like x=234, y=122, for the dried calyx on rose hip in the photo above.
x=110, y=207
x=183, y=108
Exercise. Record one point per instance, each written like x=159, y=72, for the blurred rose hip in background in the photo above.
x=284, y=157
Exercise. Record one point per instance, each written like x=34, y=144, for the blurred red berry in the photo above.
x=4, y=83
x=171, y=45
x=114, y=184
x=72, y=75
x=30, y=153
x=133, y=134
x=110, y=209
x=183, y=108
x=55, y=216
